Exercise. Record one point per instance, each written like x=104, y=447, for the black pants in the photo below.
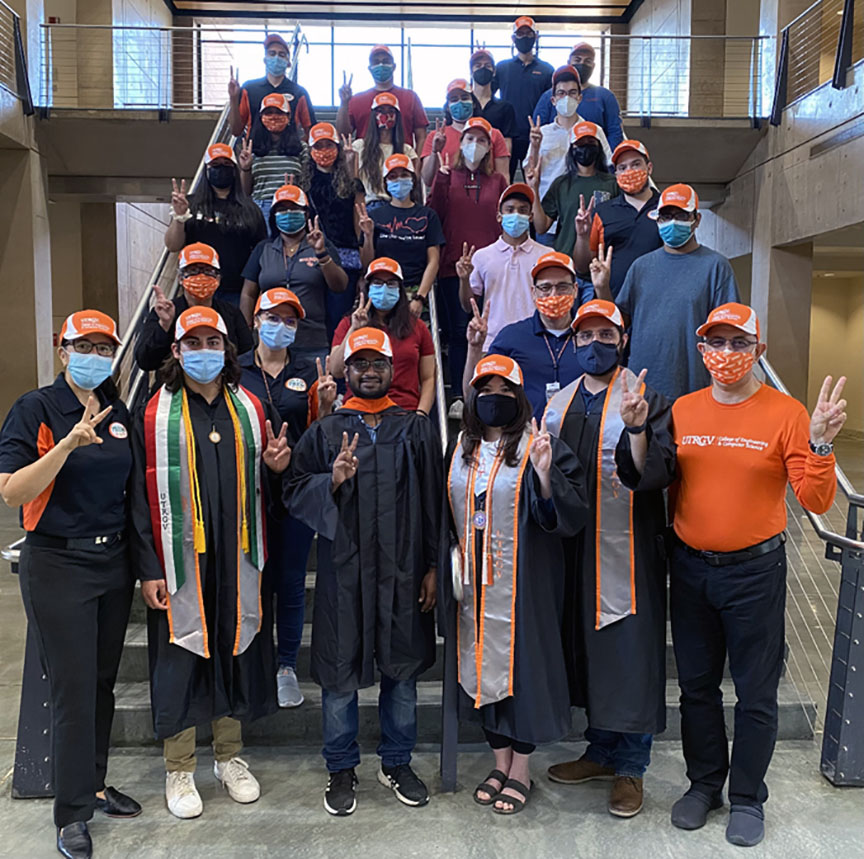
x=453, y=321
x=78, y=604
x=739, y=610
x=499, y=741
x=518, y=151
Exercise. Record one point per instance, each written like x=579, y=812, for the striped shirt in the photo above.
x=268, y=173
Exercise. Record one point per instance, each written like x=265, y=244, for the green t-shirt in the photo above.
x=561, y=203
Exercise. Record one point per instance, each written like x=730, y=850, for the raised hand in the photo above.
x=444, y=167
x=245, y=156
x=464, y=265
x=350, y=152
x=478, y=325
x=584, y=217
x=277, y=454
x=345, y=92
x=830, y=412
x=532, y=175
x=541, y=448
x=366, y=224
x=179, y=203
x=439, y=139
x=164, y=307
x=84, y=432
x=233, y=85
x=345, y=464
x=535, y=135
x=634, y=407
x=315, y=235
x=601, y=268
x=326, y=387
x=360, y=317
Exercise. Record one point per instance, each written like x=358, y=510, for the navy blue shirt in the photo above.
x=598, y=105
x=522, y=85
x=88, y=496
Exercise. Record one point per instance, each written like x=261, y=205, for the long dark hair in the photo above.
x=171, y=372
x=237, y=210
x=511, y=435
x=343, y=183
x=399, y=321
x=478, y=110
x=600, y=164
x=371, y=160
x=262, y=142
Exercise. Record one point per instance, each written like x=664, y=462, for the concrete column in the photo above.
x=707, y=58
x=99, y=257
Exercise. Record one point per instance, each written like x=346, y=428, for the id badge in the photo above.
x=552, y=388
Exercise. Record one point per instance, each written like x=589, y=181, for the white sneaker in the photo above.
x=241, y=785
x=288, y=688
x=455, y=411
x=182, y=796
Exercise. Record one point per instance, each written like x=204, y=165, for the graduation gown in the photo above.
x=538, y=711
x=187, y=690
x=377, y=538
x=618, y=673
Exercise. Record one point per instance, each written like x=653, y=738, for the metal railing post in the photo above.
x=781, y=81
x=843, y=58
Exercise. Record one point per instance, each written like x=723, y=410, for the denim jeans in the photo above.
x=453, y=321
x=630, y=754
x=397, y=716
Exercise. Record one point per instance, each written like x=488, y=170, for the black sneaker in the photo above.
x=339, y=798
x=403, y=781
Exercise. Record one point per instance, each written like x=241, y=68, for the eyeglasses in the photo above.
x=557, y=288
x=361, y=365
x=605, y=335
x=389, y=284
x=685, y=218
x=85, y=347
x=572, y=93
x=275, y=318
x=736, y=344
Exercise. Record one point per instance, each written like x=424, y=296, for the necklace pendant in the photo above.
x=215, y=436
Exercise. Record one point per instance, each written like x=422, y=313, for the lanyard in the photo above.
x=475, y=179
x=556, y=358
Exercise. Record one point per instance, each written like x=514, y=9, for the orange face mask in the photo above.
x=729, y=367
x=274, y=122
x=324, y=157
x=555, y=306
x=201, y=285
x=632, y=181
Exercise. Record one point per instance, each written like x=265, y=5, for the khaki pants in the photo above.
x=179, y=750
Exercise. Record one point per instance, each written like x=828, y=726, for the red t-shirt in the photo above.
x=405, y=388
x=410, y=107
x=454, y=137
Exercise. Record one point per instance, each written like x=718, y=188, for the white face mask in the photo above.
x=566, y=106
x=473, y=152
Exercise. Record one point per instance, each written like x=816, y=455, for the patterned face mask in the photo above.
x=555, y=306
x=728, y=367
x=201, y=285
x=324, y=157
x=275, y=122
x=632, y=181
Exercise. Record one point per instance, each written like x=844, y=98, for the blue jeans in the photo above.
x=397, y=716
x=630, y=754
x=453, y=321
x=264, y=206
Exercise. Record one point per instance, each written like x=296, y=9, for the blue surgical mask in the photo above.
x=515, y=224
x=203, y=365
x=399, y=189
x=276, y=65
x=675, y=234
x=383, y=297
x=275, y=335
x=461, y=110
x=89, y=371
x=382, y=72
x=291, y=221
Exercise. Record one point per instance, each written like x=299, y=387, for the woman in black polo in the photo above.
x=65, y=460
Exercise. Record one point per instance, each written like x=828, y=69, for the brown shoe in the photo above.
x=576, y=772
x=625, y=800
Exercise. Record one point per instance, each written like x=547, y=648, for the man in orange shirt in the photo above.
x=739, y=442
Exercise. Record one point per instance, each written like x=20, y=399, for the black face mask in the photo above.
x=220, y=176
x=597, y=358
x=496, y=410
x=584, y=72
x=483, y=76
x=585, y=153
x=524, y=44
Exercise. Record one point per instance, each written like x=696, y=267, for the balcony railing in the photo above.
x=13, y=68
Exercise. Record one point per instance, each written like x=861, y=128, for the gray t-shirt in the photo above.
x=667, y=297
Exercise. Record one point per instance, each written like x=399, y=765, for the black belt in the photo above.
x=724, y=559
x=44, y=541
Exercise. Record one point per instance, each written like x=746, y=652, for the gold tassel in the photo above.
x=240, y=449
x=198, y=537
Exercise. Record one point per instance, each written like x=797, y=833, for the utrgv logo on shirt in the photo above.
x=700, y=440
x=724, y=441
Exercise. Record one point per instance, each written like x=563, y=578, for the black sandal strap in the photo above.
x=513, y=784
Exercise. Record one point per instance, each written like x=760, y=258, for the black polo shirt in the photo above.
x=253, y=94
x=522, y=85
x=88, y=496
x=500, y=114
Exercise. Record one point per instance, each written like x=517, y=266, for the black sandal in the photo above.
x=487, y=788
x=518, y=804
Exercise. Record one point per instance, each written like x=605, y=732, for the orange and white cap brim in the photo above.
x=680, y=196
x=291, y=194
x=323, y=131
x=368, y=339
x=280, y=101
x=553, y=259
x=198, y=317
x=385, y=264
x=630, y=145
x=385, y=99
x=398, y=161
x=219, y=150
x=84, y=322
x=279, y=295
x=598, y=309
x=739, y=316
x=198, y=253
x=497, y=365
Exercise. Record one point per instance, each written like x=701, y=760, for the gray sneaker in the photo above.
x=288, y=688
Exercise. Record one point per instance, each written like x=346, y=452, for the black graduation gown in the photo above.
x=187, y=690
x=618, y=673
x=377, y=539
x=539, y=709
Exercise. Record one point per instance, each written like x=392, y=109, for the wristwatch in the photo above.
x=636, y=430
x=824, y=448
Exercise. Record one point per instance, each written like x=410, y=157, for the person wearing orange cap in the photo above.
x=668, y=291
x=198, y=274
x=66, y=461
x=614, y=626
x=497, y=112
x=355, y=111
x=368, y=479
x=521, y=81
x=514, y=491
x=740, y=444
x=244, y=101
x=598, y=104
x=206, y=460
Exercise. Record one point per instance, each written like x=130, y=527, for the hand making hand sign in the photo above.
x=277, y=454
x=345, y=464
x=245, y=156
x=234, y=88
x=478, y=325
x=601, y=272
x=439, y=138
x=315, y=236
x=464, y=265
x=360, y=317
x=179, y=202
x=634, y=406
x=364, y=222
x=84, y=432
x=345, y=92
x=830, y=413
x=164, y=308
x=326, y=387
x=584, y=217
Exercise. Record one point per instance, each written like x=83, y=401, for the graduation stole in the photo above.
x=486, y=660
x=369, y=407
x=615, y=559
x=176, y=514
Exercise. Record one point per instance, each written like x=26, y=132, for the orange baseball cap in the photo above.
x=381, y=49
x=681, y=196
x=198, y=317
x=85, y=322
x=373, y=339
x=565, y=70
x=481, y=52
x=385, y=99
x=384, y=264
x=279, y=295
x=460, y=84
x=582, y=46
x=583, y=129
x=322, y=131
x=275, y=37
x=739, y=316
x=497, y=365
x=524, y=21
x=219, y=150
x=601, y=309
x=198, y=252
x=291, y=194
x=278, y=100
x=396, y=161
x=553, y=259
x=478, y=122
x=625, y=145
x=517, y=188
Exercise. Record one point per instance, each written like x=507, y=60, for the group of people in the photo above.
x=612, y=422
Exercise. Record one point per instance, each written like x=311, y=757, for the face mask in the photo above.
x=585, y=153
x=632, y=181
x=220, y=176
x=584, y=72
x=276, y=65
x=291, y=222
x=461, y=110
x=496, y=410
x=597, y=358
x=555, y=306
x=482, y=76
x=89, y=371
x=200, y=285
x=729, y=367
x=324, y=157
x=383, y=297
x=675, y=234
x=524, y=43
x=276, y=335
x=385, y=120
x=399, y=189
x=566, y=106
x=275, y=122
x=515, y=224
x=474, y=152
x=203, y=365
x=382, y=72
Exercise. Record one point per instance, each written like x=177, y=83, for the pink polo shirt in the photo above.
x=502, y=273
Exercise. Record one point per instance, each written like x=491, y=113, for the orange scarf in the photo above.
x=369, y=407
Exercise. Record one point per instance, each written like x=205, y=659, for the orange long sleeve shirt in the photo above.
x=734, y=462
